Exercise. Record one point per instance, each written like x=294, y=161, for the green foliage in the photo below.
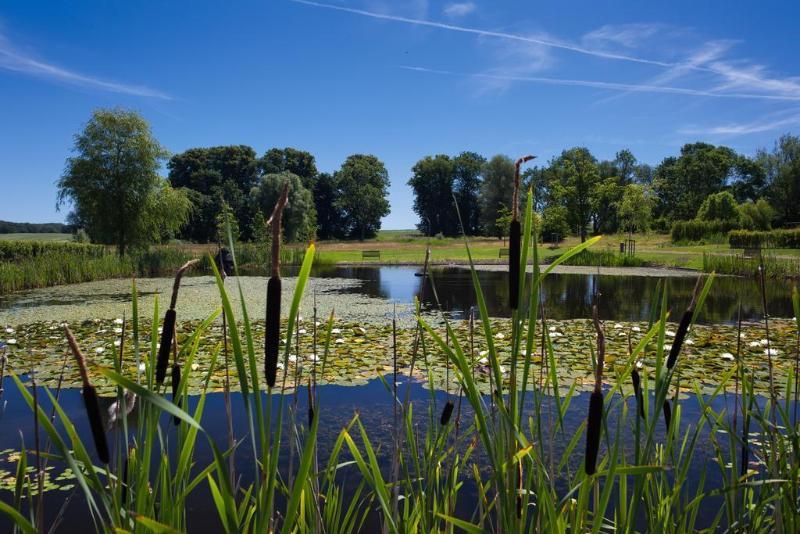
x=468, y=169
x=299, y=162
x=782, y=168
x=496, y=191
x=227, y=225
x=299, y=216
x=756, y=215
x=739, y=265
x=112, y=181
x=331, y=222
x=770, y=239
x=719, y=207
x=701, y=231
x=602, y=258
x=635, y=209
x=502, y=224
x=555, y=225
x=213, y=177
x=364, y=184
x=7, y=227
x=575, y=183
x=22, y=250
x=432, y=182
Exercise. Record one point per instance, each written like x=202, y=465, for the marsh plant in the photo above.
x=486, y=463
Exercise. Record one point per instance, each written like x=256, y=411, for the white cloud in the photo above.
x=627, y=35
x=14, y=60
x=757, y=126
x=459, y=9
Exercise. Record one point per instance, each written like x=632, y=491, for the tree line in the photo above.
x=575, y=193
x=118, y=196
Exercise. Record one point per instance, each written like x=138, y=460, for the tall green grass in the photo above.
x=502, y=446
x=740, y=265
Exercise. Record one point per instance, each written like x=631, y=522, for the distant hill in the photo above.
x=7, y=227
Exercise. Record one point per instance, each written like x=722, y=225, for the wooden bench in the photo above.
x=502, y=252
x=370, y=254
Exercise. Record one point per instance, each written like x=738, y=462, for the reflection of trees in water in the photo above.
x=569, y=296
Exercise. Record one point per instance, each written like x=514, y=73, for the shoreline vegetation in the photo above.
x=37, y=264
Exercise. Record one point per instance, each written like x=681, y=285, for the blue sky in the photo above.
x=399, y=79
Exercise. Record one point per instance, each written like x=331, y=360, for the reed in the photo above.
x=168, y=326
x=273, y=312
x=514, y=239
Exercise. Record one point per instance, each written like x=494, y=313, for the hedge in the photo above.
x=770, y=239
x=696, y=230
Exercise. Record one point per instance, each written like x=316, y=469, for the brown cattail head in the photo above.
x=273, y=330
x=637, y=391
x=683, y=327
x=514, y=238
x=667, y=414
x=593, y=431
x=176, y=383
x=167, y=335
x=515, y=197
x=89, y=400
x=447, y=412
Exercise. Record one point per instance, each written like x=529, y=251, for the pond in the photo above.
x=364, y=300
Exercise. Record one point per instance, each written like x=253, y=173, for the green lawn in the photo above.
x=36, y=237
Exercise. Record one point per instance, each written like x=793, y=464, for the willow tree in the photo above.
x=113, y=185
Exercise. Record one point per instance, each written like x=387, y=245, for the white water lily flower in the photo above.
x=483, y=353
x=280, y=365
x=503, y=369
x=622, y=334
x=552, y=328
x=689, y=342
x=755, y=344
x=636, y=329
x=11, y=341
x=617, y=325
x=728, y=356
x=764, y=342
x=195, y=366
x=667, y=346
x=9, y=330
x=117, y=321
x=100, y=350
x=500, y=335
x=142, y=367
x=118, y=330
x=339, y=340
x=336, y=330
x=301, y=331
x=639, y=364
x=117, y=343
x=360, y=330
x=483, y=361
x=556, y=334
x=771, y=352
x=312, y=357
x=292, y=358
x=669, y=333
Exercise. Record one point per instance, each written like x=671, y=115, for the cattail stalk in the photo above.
x=168, y=327
x=595, y=419
x=273, y=315
x=447, y=412
x=89, y=400
x=514, y=240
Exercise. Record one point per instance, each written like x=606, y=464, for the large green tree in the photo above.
x=575, y=180
x=216, y=177
x=298, y=162
x=299, y=216
x=682, y=184
x=782, y=170
x=635, y=209
x=468, y=174
x=432, y=182
x=364, y=184
x=113, y=183
x=330, y=222
x=496, y=191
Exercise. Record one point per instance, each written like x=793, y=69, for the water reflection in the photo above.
x=569, y=296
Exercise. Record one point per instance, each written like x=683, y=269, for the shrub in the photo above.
x=697, y=230
x=21, y=250
x=756, y=215
x=554, y=223
x=719, y=207
x=771, y=239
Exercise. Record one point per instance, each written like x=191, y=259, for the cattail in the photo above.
x=90, y=401
x=273, y=315
x=514, y=238
x=683, y=327
x=310, y=405
x=168, y=327
x=593, y=431
x=176, y=383
x=446, y=413
x=667, y=414
x=637, y=391
x=595, y=418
